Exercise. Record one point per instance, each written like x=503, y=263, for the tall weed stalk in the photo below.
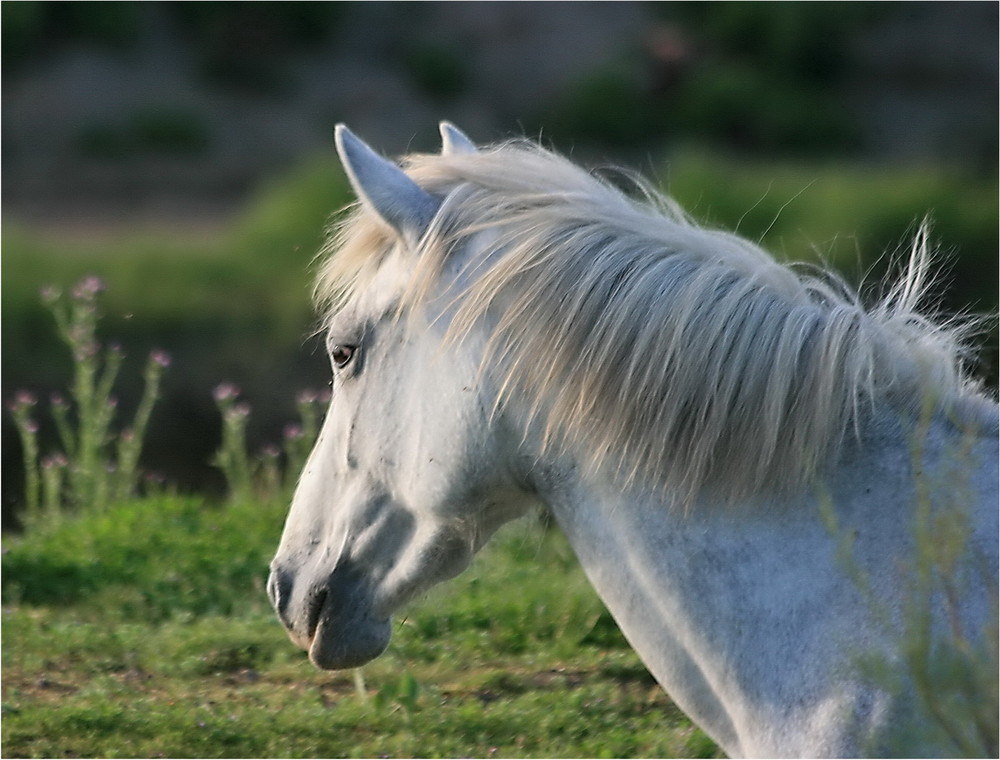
x=274, y=472
x=96, y=466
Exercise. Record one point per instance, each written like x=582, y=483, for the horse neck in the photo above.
x=651, y=566
x=721, y=602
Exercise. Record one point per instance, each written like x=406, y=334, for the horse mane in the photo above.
x=664, y=351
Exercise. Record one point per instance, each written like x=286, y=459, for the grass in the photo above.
x=145, y=631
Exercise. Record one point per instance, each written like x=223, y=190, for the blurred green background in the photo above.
x=182, y=152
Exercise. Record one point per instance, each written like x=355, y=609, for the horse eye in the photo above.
x=341, y=355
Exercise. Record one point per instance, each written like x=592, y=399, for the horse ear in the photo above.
x=384, y=187
x=454, y=141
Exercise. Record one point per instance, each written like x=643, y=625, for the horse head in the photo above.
x=408, y=477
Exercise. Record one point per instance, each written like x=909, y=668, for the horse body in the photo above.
x=748, y=619
x=751, y=604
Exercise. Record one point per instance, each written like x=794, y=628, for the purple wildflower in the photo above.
x=307, y=397
x=24, y=398
x=225, y=392
x=54, y=461
x=88, y=287
x=50, y=294
x=160, y=357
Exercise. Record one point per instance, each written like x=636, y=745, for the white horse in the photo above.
x=768, y=484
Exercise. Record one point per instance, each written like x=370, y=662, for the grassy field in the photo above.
x=145, y=632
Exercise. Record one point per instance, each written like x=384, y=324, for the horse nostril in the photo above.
x=317, y=599
x=279, y=592
x=272, y=589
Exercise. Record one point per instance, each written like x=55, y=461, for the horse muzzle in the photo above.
x=331, y=619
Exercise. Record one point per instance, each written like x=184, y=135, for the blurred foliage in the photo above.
x=438, y=70
x=744, y=106
x=608, y=106
x=252, y=279
x=242, y=44
x=163, y=129
x=765, y=75
x=262, y=260
x=237, y=43
x=32, y=26
x=229, y=307
x=751, y=76
x=849, y=215
x=799, y=40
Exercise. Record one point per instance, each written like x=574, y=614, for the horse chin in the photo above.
x=337, y=649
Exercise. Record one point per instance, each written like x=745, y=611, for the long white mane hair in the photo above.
x=663, y=351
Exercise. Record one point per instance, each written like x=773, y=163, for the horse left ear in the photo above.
x=384, y=187
x=454, y=141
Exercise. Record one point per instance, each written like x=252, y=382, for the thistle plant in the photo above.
x=232, y=457
x=265, y=476
x=27, y=429
x=299, y=439
x=96, y=465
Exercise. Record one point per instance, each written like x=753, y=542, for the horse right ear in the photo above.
x=384, y=187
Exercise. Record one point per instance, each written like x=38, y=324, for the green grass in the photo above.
x=145, y=631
